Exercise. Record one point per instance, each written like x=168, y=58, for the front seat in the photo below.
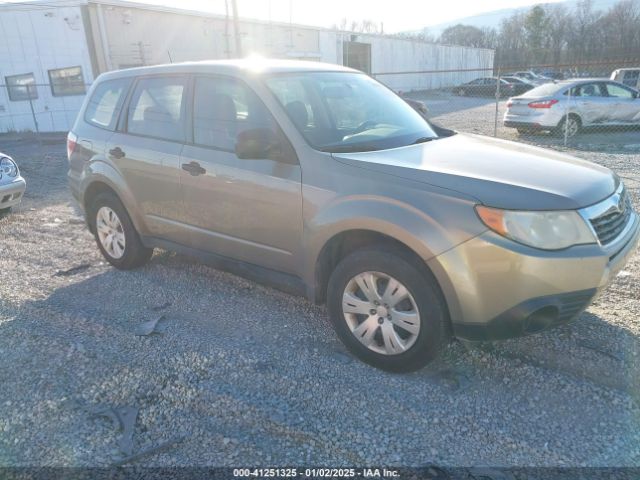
x=216, y=121
x=298, y=113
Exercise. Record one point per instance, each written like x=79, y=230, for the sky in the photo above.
x=397, y=15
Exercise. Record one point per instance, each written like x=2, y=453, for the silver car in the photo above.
x=567, y=106
x=319, y=180
x=12, y=185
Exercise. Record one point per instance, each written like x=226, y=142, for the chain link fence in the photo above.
x=589, y=106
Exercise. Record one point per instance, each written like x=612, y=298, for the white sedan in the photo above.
x=567, y=106
x=12, y=185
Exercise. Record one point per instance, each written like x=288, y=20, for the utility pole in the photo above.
x=236, y=28
x=226, y=29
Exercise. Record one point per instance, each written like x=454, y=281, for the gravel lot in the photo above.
x=244, y=374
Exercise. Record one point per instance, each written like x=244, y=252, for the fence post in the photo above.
x=566, y=117
x=33, y=112
x=495, y=120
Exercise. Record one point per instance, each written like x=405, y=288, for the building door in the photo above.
x=357, y=55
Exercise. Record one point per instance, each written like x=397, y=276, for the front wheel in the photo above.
x=5, y=211
x=387, y=311
x=115, y=234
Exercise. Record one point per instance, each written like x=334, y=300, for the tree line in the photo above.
x=550, y=34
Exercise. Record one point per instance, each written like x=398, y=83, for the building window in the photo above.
x=21, y=87
x=67, y=81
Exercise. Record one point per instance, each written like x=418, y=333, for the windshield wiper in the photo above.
x=424, y=140
x=350, y=148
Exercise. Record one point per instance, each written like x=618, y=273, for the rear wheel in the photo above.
x=462, y=92
x=569, y=126
x=5, y=211
x=115, y=234
x=386, y=311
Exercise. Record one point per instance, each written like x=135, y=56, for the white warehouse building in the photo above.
x=52, y=50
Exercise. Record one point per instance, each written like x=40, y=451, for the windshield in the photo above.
x=348, y=112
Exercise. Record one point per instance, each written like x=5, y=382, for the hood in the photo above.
x=498, y=173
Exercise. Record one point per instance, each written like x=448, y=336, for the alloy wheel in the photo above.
x=571, y=127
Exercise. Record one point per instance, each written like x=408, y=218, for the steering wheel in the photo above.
x=364, y=126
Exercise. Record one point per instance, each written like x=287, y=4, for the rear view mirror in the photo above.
x=258, y=143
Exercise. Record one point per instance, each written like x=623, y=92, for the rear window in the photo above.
x=545, y=90
x=105, y=103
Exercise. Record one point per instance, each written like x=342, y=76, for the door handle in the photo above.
x=116, y=152
x=193, y=168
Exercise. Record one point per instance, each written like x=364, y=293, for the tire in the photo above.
x=5, y=211
x=461, y=92
x=573, y=131
x=524, y=131
x=128, y=253
x=380, y=347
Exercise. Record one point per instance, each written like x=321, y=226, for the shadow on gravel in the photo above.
x=618, y=140
x=248, y=371
x=589, y=348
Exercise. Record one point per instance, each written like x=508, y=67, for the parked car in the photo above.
x=485, y=87
x=520, y=85
x=321, y=181
x=417, y=105
x=627, y=76
x=12, y=185
x=530, y=76
x=552, y=75
x=567, y=106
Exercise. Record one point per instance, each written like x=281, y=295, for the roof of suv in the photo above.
x=253, y=65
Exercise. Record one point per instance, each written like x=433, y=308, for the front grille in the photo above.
x=610, y=224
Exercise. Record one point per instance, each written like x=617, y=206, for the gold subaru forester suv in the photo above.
x=321, y=181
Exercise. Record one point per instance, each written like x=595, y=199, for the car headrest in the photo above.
x=298, y=113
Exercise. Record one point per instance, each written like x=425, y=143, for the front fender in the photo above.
x=428, y=232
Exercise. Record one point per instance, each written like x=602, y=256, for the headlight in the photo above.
x=547, y=230
x=8, y=167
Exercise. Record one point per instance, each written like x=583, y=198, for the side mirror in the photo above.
x=258, y=143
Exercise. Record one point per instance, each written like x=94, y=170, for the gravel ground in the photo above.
x=244, y=374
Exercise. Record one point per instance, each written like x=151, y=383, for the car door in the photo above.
x=249, y=210
x=625, y=103
x=146, y=149
x=592, y=103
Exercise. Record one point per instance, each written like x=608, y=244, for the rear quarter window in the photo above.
x=544, y=90
x=105, y=103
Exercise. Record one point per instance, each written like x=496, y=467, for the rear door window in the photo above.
x=590, y=90
x=157, y=108
x=105, y=104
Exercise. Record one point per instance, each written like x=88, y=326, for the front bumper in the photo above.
x=11, y=193
x=499, y=289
